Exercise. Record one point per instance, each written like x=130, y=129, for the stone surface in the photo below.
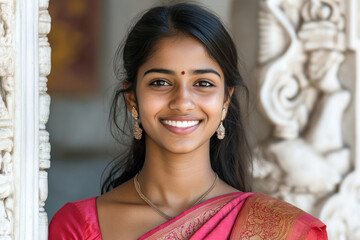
x=44, y=112
x=16, y=131
x=303, y=45
x=7, y=100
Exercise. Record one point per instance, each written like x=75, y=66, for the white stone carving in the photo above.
x=342, y=211
x=19, y=106
x=284, y=94
x=44, y=102
x=6, y=118
x=302, y=46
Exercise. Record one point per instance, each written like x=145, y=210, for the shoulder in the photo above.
x=76, y=220
x=263, y=215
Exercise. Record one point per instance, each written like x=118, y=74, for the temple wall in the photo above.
x=302, y=62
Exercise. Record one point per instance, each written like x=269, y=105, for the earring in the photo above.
x=221, y=129
x=137, y=131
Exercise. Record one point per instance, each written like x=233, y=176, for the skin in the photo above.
x=179, y=82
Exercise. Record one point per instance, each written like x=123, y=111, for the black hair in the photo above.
x=231, y=157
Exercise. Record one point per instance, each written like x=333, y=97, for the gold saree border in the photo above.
x=264, y=217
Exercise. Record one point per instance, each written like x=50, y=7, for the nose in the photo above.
x=181, y=100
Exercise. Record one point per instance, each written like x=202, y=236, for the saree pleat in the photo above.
x=221, y=224
x=196, y=219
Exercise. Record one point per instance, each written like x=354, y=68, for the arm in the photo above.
x=67, y=223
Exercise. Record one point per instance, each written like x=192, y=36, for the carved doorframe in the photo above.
x=24, y=111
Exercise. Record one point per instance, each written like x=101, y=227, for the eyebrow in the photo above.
x=207, y=70
x=195, y=72
x=160, y=70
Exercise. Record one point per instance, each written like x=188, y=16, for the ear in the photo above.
x=228, y=98
x=227, y=102
x=129, y=96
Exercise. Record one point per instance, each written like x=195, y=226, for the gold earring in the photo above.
x=220, y=131
x=137, y=131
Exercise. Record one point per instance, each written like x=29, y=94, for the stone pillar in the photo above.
x=308, y=78
x=24, y=110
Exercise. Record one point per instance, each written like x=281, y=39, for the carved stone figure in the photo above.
x=302, y=46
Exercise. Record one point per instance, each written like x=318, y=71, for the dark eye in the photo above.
x=204, y=84
x=159, y=82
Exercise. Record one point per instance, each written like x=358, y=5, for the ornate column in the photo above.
x=7, y=120
x=24, y=110
x=44, y=104
x=309, y=91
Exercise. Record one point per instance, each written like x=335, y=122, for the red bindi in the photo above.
x=183, y=72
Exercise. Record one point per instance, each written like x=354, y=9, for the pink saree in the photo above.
x=233, y=216
x=241, y=216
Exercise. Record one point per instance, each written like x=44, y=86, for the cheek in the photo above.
x=149, y=105
x=213, y=103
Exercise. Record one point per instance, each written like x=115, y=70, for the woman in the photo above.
x=187, y=173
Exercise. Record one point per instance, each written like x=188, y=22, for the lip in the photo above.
x=183, y=129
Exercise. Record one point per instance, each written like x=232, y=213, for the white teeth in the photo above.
x=180, y=124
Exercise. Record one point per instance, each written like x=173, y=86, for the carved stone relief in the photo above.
x=8, y=101
x=341, y=212
x=6, y=118
x=302, y=47
x=44, y=101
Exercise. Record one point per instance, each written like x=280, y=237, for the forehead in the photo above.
x=180, y=53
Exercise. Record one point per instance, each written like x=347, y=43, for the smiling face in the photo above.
x=180, y=96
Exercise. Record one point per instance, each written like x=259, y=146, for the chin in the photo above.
x=184, y=148
x=180, y=150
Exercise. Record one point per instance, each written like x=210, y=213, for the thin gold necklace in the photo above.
x=153, y=206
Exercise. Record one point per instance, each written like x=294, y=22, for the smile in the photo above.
x=180, y=124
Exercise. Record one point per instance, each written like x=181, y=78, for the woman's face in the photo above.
x=180, y=95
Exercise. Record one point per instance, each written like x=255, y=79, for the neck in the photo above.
x=175, y=181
